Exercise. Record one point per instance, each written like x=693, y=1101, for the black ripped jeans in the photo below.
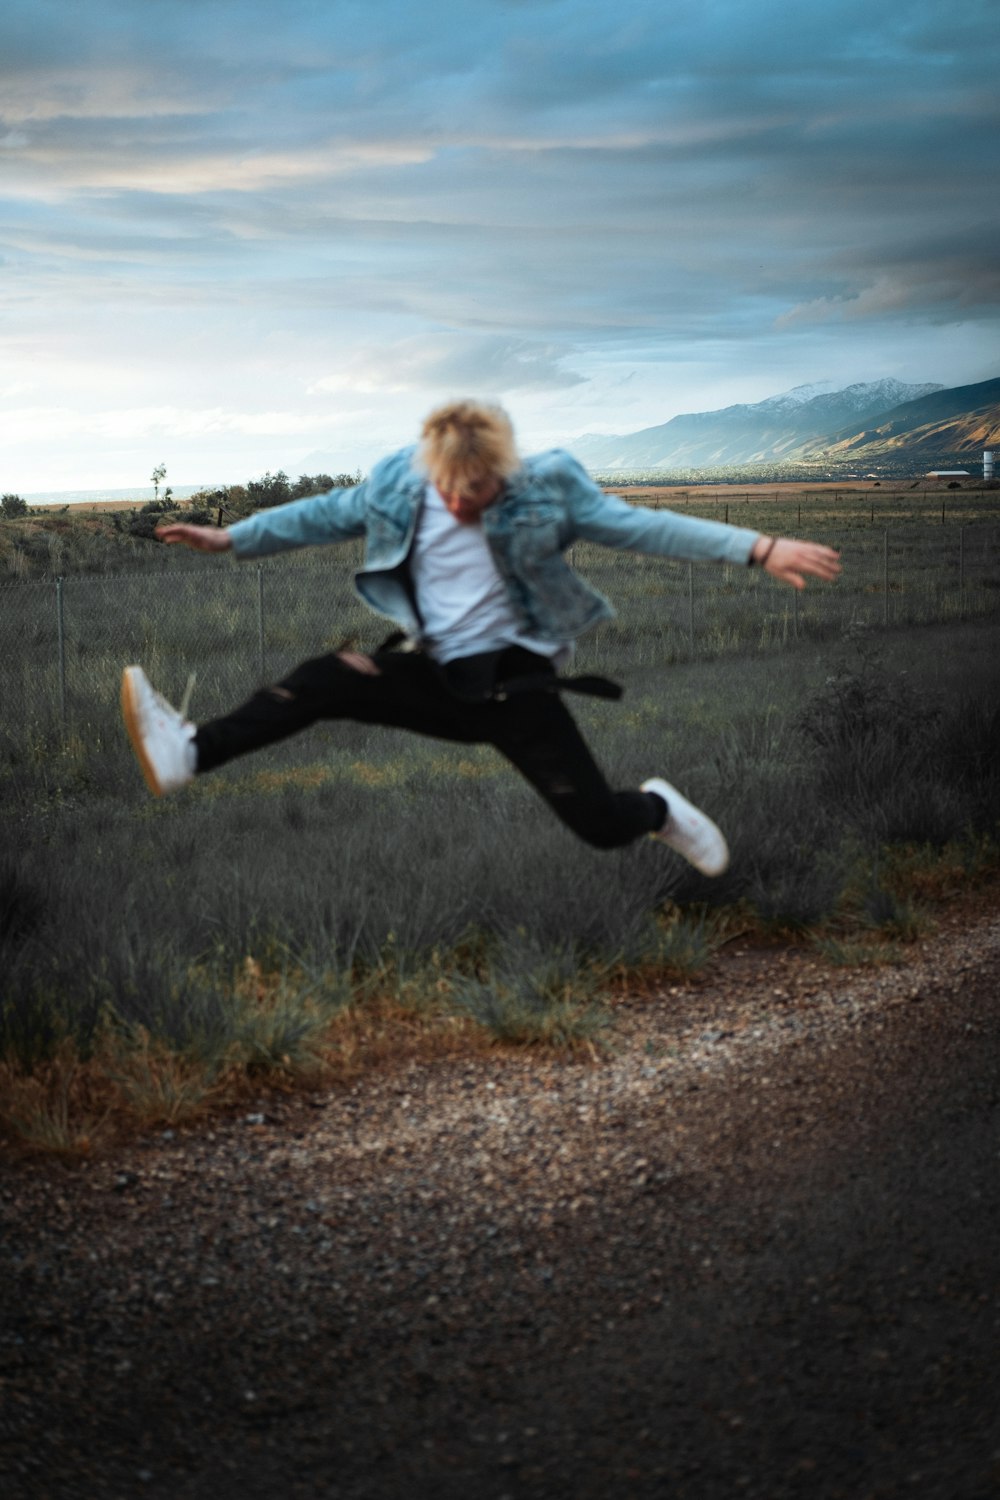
x=534, y=731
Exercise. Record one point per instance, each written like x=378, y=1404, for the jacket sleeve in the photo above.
x=612, y=522
x=336, y=516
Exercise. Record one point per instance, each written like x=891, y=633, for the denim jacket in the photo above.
x=545, y=507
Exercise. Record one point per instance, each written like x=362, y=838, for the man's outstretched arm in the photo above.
x=198, y=538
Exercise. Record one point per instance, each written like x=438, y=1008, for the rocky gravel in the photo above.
x=750, y=1248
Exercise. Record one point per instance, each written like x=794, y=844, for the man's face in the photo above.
x=468, y=503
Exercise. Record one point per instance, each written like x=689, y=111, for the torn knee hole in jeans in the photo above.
x=359, y=661
x=283, y=693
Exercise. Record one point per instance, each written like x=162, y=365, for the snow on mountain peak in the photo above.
x=865, y=396
x=797, y=396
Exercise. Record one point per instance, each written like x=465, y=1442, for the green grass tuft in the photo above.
x=531, y=994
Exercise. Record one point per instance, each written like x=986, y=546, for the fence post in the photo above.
x=961, y=571
x=691, y=606
x=885, y=576
x=260, y=618
x=61, y=633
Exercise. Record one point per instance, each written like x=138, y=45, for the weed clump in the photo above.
x=534, y=994
x=675, y=944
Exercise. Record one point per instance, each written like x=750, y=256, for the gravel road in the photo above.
x=751, y=1250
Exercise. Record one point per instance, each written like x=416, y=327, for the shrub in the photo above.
x=885, y=912
x=149, y=516
x=965, y=758
x=12, y=507
x=794, y=888
x=22, y=905
x=864, y=726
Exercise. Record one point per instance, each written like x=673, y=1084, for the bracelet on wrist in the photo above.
x=762, y=559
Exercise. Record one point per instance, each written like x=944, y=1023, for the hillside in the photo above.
x=966, y=416
x=776, y=429
x=809, y=424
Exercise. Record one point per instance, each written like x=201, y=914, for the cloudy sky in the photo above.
x=238, y=236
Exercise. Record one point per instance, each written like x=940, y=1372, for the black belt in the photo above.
x=541, y=682
x=480, y=678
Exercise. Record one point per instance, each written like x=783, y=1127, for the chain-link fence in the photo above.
x=63, y=642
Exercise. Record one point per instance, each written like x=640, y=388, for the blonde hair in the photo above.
x=468, y=441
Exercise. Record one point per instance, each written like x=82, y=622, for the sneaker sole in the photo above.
x=130, y=713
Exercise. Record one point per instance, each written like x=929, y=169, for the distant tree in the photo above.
x=272, y=489
x=238, y=500
x=12, y=506
x=157, y=477
x=311, y=484
x=318, y=484
x=228, y=504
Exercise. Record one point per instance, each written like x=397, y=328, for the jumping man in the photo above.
x=465, y=544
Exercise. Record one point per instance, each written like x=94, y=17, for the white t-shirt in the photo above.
x=461, y=597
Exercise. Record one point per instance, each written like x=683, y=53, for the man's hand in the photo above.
x=199, y=538
x=789, y=560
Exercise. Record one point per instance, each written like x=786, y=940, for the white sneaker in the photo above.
x=162, y=738
x=689, y=831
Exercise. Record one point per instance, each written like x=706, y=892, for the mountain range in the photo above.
x=810, y=423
